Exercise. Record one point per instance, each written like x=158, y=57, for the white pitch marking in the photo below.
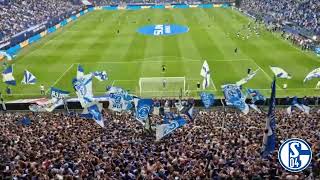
x=65, y=72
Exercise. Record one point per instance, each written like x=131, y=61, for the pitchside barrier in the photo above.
x=23, y=105
x=35, y=33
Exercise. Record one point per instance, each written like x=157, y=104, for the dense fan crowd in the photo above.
x=303, y=14
x=217, y=144
x=17, y=16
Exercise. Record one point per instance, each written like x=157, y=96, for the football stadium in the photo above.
x=98, y=89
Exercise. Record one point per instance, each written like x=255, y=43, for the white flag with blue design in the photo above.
x=165, y=129
x=313, y=74
x=246, y=79
x=280, y=73
x=57, y=99
x=101, y=75
x=83, y=87
x=80, y=72
x=28, y=78
x=7, y=75
x=234, y=97
x=120, y=101
x=205, y=73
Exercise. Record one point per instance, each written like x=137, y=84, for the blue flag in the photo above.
x=234, y=97
x=95, y=112
x=296, y=103
x=165, y=129
x=25, y=121
x=28, y=78
x=269, y=138
x=255, y=95
x=7, y=75
x=207, y=99
x=143, y=109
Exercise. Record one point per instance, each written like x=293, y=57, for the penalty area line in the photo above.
x=60, y=77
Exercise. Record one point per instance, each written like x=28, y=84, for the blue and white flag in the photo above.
x=143, y=109
x=95, y=112
x=234, y=97
x=255, y=107
x=83, y=87
x=295, y=103
x=80, y=72
x=7, y=75
x=205, y=73
x=120, y=102
x=280, y=73
x=57, y=99
x=269, y=138
x=313, y=74
x=247, y=78
x=101, y=75
x=207, y=99
x=165, y=129
x=28, y=78
x=25, y=121
x=114, y=89
x=255, y=95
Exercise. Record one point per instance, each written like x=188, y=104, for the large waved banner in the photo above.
x=57, y=99
x=165, y=129
x=83, y=87
x=120, y=102
x=234, y=97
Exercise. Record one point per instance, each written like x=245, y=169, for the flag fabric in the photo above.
x=80, y=72
x=101, y=75
x=57, y=99
x=205, y=73
x=234, y=97
x=143, y=109
x=165, y=129
x=25, y=121
x=86, y=114
x=269, y=138
x=190, y=111
x=207, y=99
x=7, y=75
x=313, y=74
x=95, y=112
x=28, y=78
x=83, y=87
x=7, y=55
x=255, y=95
x=247, y=78
x=280, y=73
x=295, y=103
x=120, y=102
x=114, y=89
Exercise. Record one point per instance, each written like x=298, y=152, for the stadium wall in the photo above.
x=73, y=104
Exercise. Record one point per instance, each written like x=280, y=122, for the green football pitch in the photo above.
x=93, y=42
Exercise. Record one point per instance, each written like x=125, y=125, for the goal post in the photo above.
x=162, y=86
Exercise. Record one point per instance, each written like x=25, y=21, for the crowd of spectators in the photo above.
x=17, y=16
x=301, y=13
x=217, y=144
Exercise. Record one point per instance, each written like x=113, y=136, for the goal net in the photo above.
x=162, y=86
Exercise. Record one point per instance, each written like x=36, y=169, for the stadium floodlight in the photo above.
x=162, y=86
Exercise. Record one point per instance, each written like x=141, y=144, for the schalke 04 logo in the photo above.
x=295, y=155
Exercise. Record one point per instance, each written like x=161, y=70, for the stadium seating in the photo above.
x=303, y=14
x=17, y=16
